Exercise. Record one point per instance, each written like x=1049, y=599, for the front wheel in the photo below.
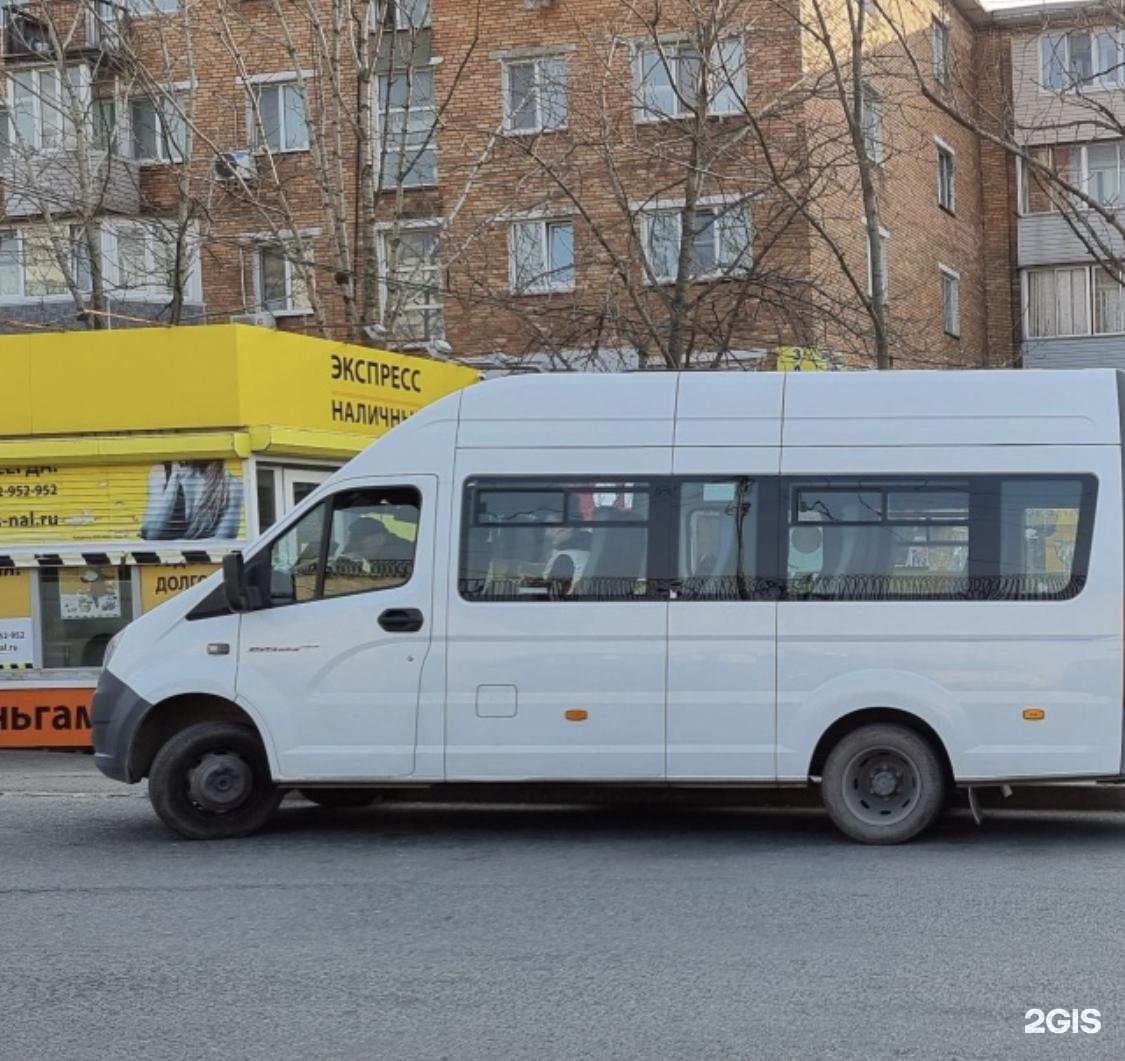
x=883, y=784
x=211, y=781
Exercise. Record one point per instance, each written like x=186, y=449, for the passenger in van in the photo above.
x=570, y=551
x=370, y=544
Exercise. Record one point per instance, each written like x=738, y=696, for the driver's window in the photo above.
x=295, y=560
x=374, y=534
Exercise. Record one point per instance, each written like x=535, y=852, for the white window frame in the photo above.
x=259, y=83
x=546, y=284
x=944, y=149
x=1083, y=177
x=1096, y=83
x=152, y=8
x=885, y=239
x=404, y=24
x=172, y=96
x=536, y=61
x=1093, y=281
x=1025, y=296
x=282, y=240
x=642, y=115
x=23, y=298
x=942, y=70
x=67, y=135
x=648, y=210
x=951, y=327
x=152, y=292
x=383, y=230
x=383, y=152
x=876, y=145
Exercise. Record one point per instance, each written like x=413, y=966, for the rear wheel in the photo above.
x=340, y=798
x=883, y=784
x=211, y=781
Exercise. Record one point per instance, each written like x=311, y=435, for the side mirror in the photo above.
x=234, y=583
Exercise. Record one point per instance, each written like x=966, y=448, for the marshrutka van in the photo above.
x=889, y=584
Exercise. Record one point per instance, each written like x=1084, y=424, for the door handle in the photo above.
x=401, y=620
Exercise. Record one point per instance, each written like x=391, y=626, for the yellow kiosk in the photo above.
x=132, y=461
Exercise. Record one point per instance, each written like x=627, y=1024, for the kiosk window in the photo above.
x=555, y=540
x=81, y=608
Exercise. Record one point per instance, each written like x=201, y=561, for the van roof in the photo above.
x=980, y=407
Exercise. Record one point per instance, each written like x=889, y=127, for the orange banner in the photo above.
x=45, y=718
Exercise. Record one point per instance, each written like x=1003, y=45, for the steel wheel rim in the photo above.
x=882, y=786
x=220, y=782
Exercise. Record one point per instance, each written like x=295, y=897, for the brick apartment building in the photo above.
x=582, y=182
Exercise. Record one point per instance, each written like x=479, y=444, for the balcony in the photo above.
x=1053, y=239
x=81, y=28
x=52, y=180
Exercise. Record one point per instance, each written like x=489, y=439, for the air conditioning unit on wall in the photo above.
x=261, y=319
x=236, y=165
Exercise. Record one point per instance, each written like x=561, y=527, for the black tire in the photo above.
x=180, y=793
x=340, y=798
x=883, y=784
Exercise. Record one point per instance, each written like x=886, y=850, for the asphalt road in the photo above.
x=413, y=931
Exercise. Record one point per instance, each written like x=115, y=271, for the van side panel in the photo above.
x=968, y=668
x=555, y=689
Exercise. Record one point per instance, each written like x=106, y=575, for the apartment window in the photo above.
x=720, y=242
x=105, y=124
x=278, y=116
x=939, y=39
x=554, y=540
x=33, y=265
x=946, y=177
x=1103, y=172
x=405, y=14
x=11, y=265
x=950, y=301
x=407, y=116
x=535, y=94
x=283, y=286
x=146, y=262
x=669, y=79
x=152, y=7
x=159, y=129
x=871, y=114
x=883, y=286
x=42, y=107
x=412, y=303
x=1058, y=302
x=1109, y=303
x=1081, y=59
x=542, y=255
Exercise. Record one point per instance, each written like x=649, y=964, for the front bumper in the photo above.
x=116, y=712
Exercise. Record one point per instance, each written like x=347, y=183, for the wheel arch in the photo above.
x=866, y=716
x=175, y=713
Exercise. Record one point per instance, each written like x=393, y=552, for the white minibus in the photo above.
x=888, y=584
